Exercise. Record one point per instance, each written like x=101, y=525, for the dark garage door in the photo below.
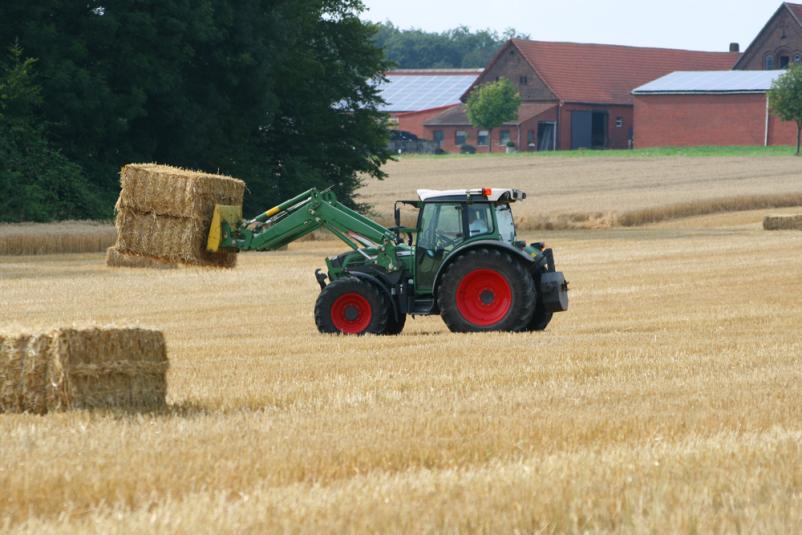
x=581, y=129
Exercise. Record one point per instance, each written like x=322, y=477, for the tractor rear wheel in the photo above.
x=486, y=290
x=540, y=319
x=351, y=306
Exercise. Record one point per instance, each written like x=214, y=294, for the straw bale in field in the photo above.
x=165, y=213
x=82, y=369
x=166, y=190
x=782, y=222
x=172, y=239
x=115, y=258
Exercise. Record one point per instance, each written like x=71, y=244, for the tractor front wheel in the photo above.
x=351, y=306
x=486, y=290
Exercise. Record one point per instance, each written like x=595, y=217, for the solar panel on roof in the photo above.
x=422, y=92
x=711, y=82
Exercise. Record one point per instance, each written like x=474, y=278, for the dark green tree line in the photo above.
x=452, y=49
x=37, y=183
x=276, y=92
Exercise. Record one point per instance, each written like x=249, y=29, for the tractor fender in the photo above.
x=375, y=281
x=503, y=246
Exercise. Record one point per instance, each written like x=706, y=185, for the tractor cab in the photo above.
x=454, y=219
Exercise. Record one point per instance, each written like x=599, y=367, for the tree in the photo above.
x=785, y=99
x=280, y=93
x=492, y=104
x=452, y=49
x=37, y=183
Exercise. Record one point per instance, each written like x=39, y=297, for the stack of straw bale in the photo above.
x=164, y=214
x=82, y=368
x=782, y=222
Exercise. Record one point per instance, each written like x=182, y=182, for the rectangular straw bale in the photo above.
x=105, y=368
x=82, y=369
x=24, y=372
x=166, y=190
x=783, y=222
x=115, y=258
x=172, y=239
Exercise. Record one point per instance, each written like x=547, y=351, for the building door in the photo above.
x=599, y=130
x=545, y=135
x=438, y=138
x=581, y=129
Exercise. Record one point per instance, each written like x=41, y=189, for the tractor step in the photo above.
x=422, y=307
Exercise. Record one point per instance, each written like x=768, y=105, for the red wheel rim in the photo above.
x=484, y=297
x=351, y=313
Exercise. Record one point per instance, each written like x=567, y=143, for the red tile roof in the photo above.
x=796, y=9
x=606, y=74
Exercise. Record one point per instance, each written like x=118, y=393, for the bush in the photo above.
x=467, y=149
x=511, y=144
x=438, y=150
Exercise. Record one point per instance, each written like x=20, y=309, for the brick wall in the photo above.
x=782, y=36
x=617, y=137
x=512, y=65
x=518, y=134
x=706, y=120
x=413, y=121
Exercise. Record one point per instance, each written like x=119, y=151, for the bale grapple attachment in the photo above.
x=225, y=220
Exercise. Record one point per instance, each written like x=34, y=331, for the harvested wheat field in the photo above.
x=55, y=238
x=667, y=399
x=599, y=192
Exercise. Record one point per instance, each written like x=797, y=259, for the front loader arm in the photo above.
x=299, y=216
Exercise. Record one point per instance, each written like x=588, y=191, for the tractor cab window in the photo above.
x=506, y=226
x=480, y=219
x=440, y=230
x=440, y=226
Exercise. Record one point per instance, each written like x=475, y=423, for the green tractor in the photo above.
x=462, y=261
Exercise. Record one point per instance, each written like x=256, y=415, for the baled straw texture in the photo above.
x=165, y=213
x=166, y=190
x=171, y=239
x=82, y=369
x=115, y=258
x=782, y=222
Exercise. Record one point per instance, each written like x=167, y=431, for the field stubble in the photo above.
x=601, y=192
x=668, y=398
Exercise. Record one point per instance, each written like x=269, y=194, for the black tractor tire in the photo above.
x=395, y=326
x=486, y=289
x=351, y=306
x=540, y=319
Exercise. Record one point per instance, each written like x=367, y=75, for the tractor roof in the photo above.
x=489, y=194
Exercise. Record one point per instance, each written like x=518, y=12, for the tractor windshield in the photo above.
x=506, y=227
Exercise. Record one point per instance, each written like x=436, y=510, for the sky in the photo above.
x=689, y=24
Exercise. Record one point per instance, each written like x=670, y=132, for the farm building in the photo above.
x=779, y=43
x=574, y=95
x=721, y=108
x=413, y=96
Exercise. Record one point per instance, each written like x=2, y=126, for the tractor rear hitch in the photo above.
x=549, y=254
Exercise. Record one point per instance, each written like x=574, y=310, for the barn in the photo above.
x=414, y=95
x=574, y=95
x=720, y=108
x=779, y=42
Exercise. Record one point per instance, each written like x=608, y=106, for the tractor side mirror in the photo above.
x=397, y=215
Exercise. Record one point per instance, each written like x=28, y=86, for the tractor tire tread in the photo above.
x=380, y=312
x=522, y=286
